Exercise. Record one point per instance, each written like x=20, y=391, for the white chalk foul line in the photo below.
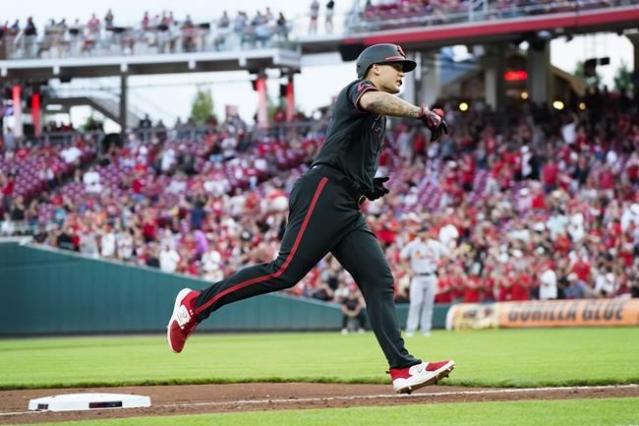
x=20, y=413
x=418, y=395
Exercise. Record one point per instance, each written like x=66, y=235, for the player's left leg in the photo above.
x=360, y=253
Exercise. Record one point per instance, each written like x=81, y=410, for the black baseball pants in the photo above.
x=323, y=217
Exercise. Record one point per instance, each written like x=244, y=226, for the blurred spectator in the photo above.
x=108, y=242
x=328, y=23
x=65, y=240
x=108, y=20
x=169, y=259
x=88, y=241
x=605, y=282
x=30, y=36
x=548, y=285
x=313, y=16
x=353, y=314
x=93, y=33
x=9, y=140
x=575, y=288
x=282, y=27
x=323, y=292
x=91, y=181
x=211, y=265
x=125, y=244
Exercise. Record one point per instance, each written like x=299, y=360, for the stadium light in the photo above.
x=463, y=106
x=582, y=106
x=558, y=105
x=524, y=95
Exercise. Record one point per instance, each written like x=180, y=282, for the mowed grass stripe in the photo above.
x=495, y=358
x=613, y=411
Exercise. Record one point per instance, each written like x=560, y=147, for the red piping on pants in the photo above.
x=284, y=266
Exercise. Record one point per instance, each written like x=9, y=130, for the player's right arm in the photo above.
x=383, y=103
x=367, y=98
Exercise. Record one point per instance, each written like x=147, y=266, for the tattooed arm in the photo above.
x=383, y=103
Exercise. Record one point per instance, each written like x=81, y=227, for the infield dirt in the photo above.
x=197, y=399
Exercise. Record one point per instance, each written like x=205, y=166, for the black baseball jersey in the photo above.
x=325, y=217
x=354, y=138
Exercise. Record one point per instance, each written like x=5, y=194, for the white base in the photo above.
x=88, y=401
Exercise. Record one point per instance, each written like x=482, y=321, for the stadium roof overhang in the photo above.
x=105, y=66
x=486, y=32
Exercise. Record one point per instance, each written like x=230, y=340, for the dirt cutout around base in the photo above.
x=198, y=399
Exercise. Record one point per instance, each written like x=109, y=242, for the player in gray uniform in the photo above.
x=424, y=255
x=324, y=216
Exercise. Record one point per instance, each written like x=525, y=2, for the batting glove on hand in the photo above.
x=379, y=190
x=435, y=122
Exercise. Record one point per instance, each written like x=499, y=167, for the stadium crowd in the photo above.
x=155, y=33
x=542, y=205
x=162, y=32
x=376, y=15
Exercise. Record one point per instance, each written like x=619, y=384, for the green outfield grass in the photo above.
x=536, y=357
x=614, y=411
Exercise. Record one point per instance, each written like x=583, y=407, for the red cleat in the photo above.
x=406, y=380
x=182, y=322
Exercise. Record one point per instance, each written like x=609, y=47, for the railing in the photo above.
x=210, y=36
x=61, y=138
x=66, y=42
x=280, y=131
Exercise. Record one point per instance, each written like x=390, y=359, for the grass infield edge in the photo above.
x=335, y=380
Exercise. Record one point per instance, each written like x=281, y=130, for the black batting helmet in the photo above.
x=383, y=53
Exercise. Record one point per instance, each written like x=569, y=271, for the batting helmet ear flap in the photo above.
x=383, y=53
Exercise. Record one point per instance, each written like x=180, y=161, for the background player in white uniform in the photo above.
x=424, y=254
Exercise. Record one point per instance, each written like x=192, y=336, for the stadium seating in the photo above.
x=376, y=16
x=525, y=198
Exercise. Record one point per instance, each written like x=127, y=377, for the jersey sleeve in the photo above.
x=356, y=91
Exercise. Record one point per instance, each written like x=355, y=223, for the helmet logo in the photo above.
x=400, y=50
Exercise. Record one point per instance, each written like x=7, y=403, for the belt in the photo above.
x=343, y=181
x=425, y=274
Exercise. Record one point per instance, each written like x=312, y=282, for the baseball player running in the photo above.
x=424, y=254
x=324, y=216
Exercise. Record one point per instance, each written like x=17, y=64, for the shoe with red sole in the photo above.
x=182, y=322
x=406, y=380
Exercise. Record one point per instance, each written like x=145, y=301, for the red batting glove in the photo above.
x=434, y=120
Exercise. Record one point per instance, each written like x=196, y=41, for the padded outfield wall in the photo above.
x=46, y=291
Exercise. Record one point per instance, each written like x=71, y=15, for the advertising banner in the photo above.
x=549, y=313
